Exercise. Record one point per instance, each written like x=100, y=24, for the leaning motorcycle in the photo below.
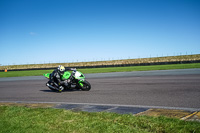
x=73, y=80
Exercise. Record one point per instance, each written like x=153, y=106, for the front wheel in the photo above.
x=85, y=86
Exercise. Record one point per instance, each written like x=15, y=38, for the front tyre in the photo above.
x=85, y=86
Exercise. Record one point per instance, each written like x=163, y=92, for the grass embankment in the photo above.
x=182, y=58
x=23, y=119
x=24, y=73
x=141, y=68
x=104, y=70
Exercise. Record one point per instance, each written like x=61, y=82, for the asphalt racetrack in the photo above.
x=162, y=88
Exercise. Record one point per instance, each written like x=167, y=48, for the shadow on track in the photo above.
x=69, y=90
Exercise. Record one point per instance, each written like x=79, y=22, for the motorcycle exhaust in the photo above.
x=51, y=86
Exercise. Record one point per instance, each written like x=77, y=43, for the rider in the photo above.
x=55, y=77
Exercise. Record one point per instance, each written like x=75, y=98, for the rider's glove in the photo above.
x=73, y=69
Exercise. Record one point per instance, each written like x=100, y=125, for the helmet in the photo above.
x=61, y=69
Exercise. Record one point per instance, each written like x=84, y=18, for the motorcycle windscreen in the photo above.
x=79, y=75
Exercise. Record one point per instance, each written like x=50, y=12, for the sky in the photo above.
x=59, y=31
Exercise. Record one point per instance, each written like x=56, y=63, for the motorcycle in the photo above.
x=73, y=80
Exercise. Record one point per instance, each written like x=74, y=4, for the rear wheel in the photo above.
x=85, y=86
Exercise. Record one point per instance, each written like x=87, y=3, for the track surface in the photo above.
x=166, y=88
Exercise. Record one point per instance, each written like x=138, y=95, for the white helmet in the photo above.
x=61, y=69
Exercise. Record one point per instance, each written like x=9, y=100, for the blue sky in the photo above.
x=46, y=31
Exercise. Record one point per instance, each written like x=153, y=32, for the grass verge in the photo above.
x=23, y=119
x=104, y=70
x=24, y=73
x=141, y=68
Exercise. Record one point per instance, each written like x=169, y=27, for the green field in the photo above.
x=104, y=70
x=38, y=120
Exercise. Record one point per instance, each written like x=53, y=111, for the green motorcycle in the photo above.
x=73, y=80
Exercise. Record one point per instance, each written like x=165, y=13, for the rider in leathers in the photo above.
x=55, y=77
